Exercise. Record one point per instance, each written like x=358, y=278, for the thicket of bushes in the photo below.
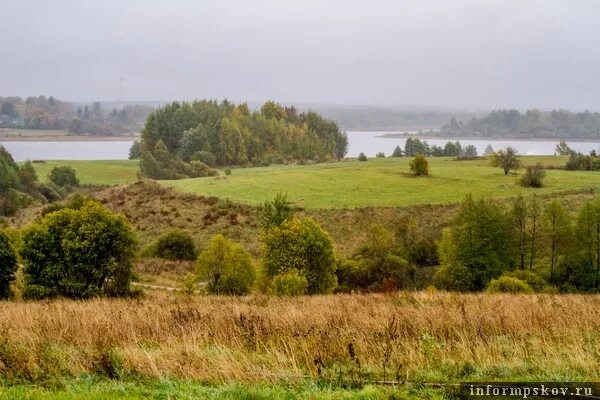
x=81, y=250
x=78, y=253
x=19, y=185
x=174, y=245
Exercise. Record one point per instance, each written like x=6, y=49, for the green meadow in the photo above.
x=109, y=172
x=382, y=182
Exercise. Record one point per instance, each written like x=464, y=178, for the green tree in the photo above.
x=469, y=152
x=275, y=212
x=452, y=274
x=588, y=242
x=506, y=159
x=479, y=242
x=78, y=253
x=27, y=175
x=227, y=267
x=520, y=217
x=563, y=149
x=534, y=230
x=8, y=265
x=452, y=149
x=135, y=151
x=397, y=152
x=9, y=171
x=557, y=228
x=63, y=176
x=381, y=258
x=300, y=244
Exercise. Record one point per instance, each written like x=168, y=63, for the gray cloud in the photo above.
x=474, y=53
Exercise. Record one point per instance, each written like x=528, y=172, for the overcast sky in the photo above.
x=448, y=53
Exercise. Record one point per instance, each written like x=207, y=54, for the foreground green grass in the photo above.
x=109, y=390
x=109, y=172
x=382, y=182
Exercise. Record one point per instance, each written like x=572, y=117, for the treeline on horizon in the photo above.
x=49, y=113
x=189, y=139
x=533, y=123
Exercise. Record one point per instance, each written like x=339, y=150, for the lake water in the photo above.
x=370, y=144
x=104, y=150
x=366, y=142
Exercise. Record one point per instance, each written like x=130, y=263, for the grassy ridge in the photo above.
x=381, y=182
x=110, y=172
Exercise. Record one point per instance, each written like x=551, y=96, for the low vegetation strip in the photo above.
x=104, y=172
x=382, y=182
x=409, y=337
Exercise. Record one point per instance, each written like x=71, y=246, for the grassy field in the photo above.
x=319, y=343
x=381, y=182
x=110, y=172
x=94, y=389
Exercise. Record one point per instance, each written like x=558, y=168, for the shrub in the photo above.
x=50, y=191
x=227, y=267
x=175, y=245
x=206, y=157
x=275, y=211
x=78, y=253
x=377, y=264
x=63, y=176
x=303, y=245
x=75, y=202
x=227, y=171
x=353, y=274
x=507, y=284
x=290, y=283
x=419, y=166
x=536, y=282
x=381, y=154
x=454, y=277
x=534, y=174
x=8, y=265
x=362, y=157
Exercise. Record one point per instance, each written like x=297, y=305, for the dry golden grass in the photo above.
x=406, y=337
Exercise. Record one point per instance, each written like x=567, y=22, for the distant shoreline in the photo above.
x=67, y=138
x=482, y=139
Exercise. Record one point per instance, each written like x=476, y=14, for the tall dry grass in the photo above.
x=405, y=337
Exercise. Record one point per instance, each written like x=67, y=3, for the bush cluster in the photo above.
x=419, y=166
x=533, y=177
x=78, y=253
x=174, y=245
